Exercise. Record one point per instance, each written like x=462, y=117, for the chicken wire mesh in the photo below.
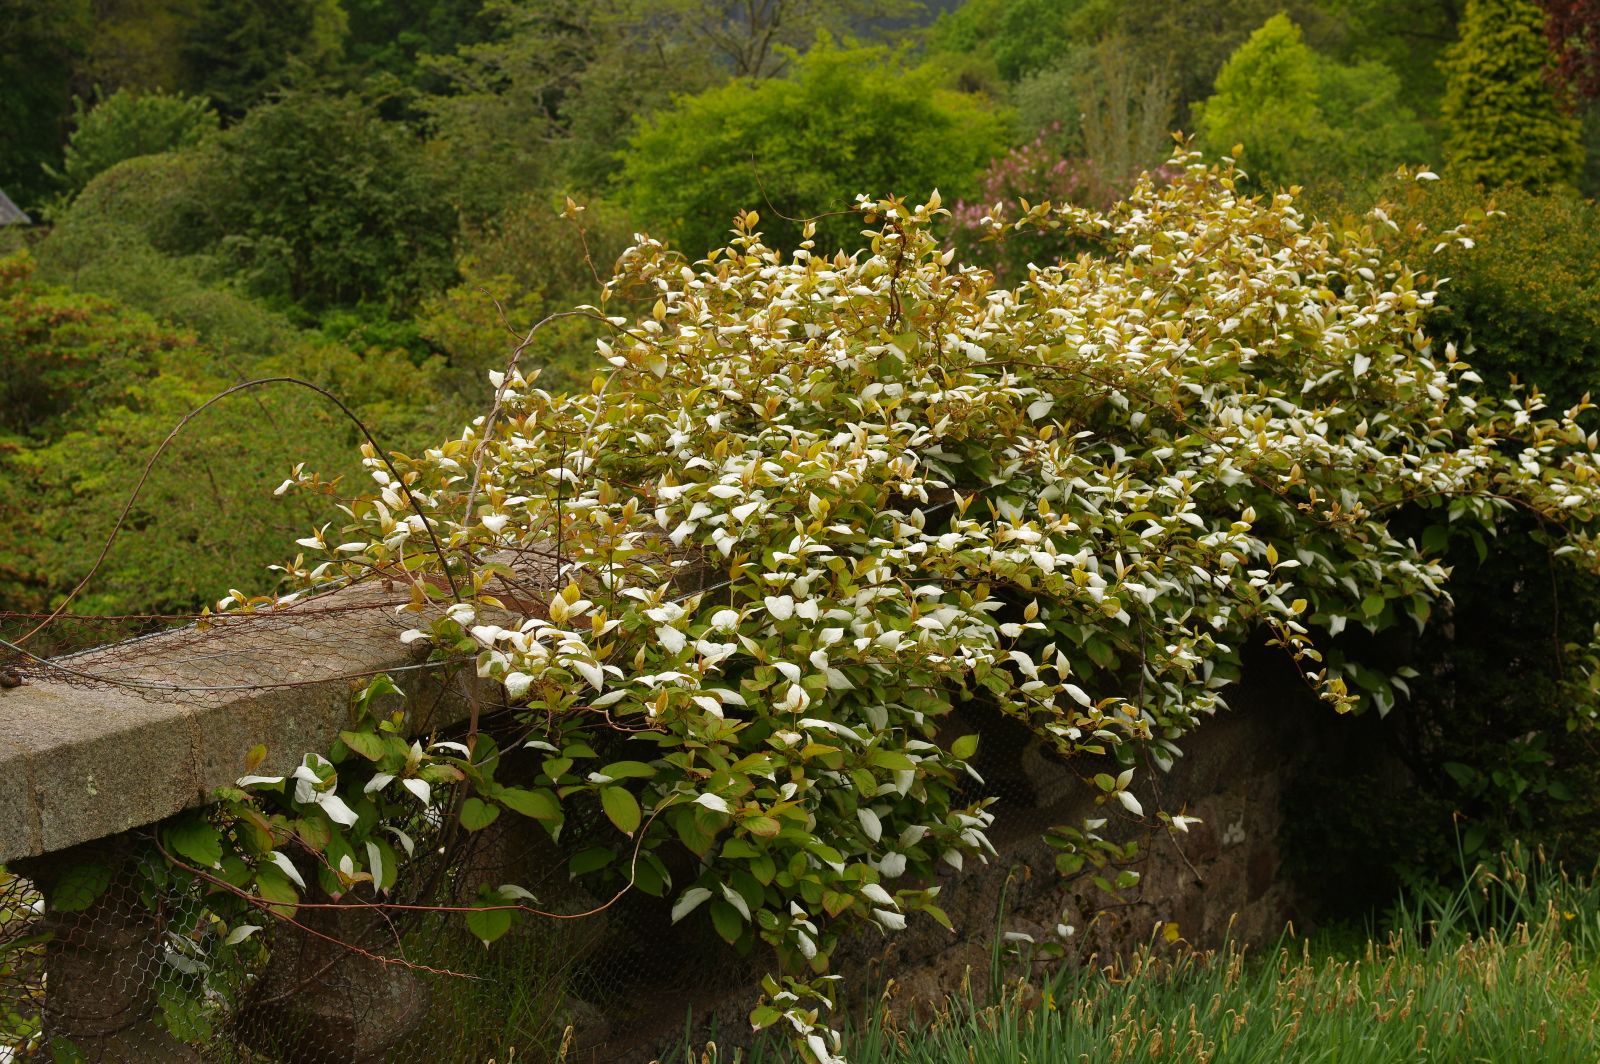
x=147, y=971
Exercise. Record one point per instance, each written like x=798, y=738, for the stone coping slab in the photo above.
x=104, y=741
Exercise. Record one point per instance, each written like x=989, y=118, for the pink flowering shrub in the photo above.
x=1025, y=176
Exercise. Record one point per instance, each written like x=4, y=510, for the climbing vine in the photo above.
x=812, y=504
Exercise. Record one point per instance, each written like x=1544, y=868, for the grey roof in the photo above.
x=10, y=213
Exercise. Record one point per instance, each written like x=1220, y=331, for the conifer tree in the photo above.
x=1505, y=122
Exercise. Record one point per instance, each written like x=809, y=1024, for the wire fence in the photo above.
x=147, y=972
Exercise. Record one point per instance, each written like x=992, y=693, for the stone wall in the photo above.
x=1223, y=880
x=173, y=716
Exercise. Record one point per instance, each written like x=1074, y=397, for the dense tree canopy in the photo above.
x=845, y=119
x=1303, y=118
x=128, y=124
x=238, y=52
x=1500, y=107
x=317, y=202
x=37, y=51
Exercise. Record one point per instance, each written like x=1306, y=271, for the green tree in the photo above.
x=755, y=39
x=138, y=44
x=1188, y=41
x=1503, y=118
x=128, y=124
x=89, y=389
x=527, y=263
x=1407, y=36
x=554, y=90
x=317, y=202
x=1019, y=38
x=238, y=52
x=1033, y=34
x=1303, y=118
x=846, y=122
x=40, y=44
x=393, y=35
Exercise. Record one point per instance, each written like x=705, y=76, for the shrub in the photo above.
x=534, y=259
x=123, y=238
x=1524, y=299
x=820, y=502
x=1105, y=104
x=316, y=202
x=88, y=390
x=62, y=353
x=1504, y=121
x=847, y=120
x=129, y=124
x=1523, y=304
x=1304, y=119
x=1031, y=174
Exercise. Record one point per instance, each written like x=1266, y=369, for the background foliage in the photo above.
x=847, y=119
x=375, y=196
x=1506, y=121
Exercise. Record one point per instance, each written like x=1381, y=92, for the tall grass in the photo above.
x=1496, y=970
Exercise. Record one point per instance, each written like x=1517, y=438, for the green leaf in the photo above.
x=726, y=919
x=764, y=826
x=196, y=839
x=477, y=814
x=25, y=943
x=687, y=825
x=1101, y=653
x=64, y=1051
x=1473, y=838
x=315, y=832
x=77, y=888
x=274, y=886
x=965, y=746
x=650, y=875
x=541, y=804
x=892, y=760
x=489, y=924
x=739, y=848
x=628, y=770
x=368, y=744
x=622, y=808
x=183, y=1014
x=1069, y=864
x=590, y=860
